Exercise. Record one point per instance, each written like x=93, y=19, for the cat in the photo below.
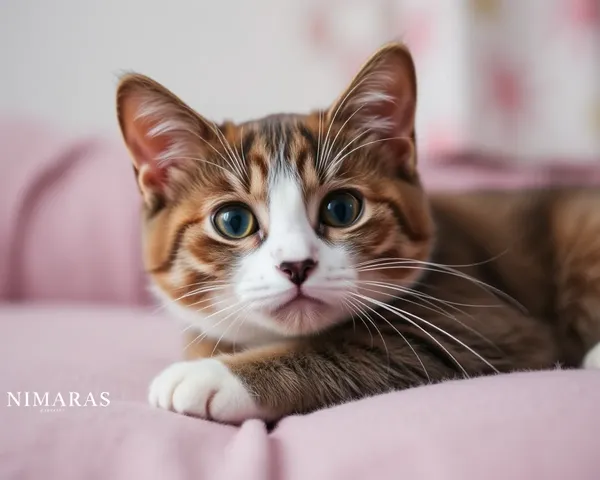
x=312, y=269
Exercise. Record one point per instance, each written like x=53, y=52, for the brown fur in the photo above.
x=541, y=249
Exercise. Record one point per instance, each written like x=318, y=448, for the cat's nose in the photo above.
x=297, y=272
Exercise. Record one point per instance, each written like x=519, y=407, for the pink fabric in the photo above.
x=465, y=172
x=69, y=221
x=522, y=426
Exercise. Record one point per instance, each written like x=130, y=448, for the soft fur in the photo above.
x=419, y=289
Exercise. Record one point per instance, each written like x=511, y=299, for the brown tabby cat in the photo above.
x=313, y=269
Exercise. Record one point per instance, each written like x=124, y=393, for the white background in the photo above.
x=229, y=59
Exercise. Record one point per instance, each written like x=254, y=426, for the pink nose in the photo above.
x=297, y=272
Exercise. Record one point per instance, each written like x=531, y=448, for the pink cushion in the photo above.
x=69, y=218
x=521, y=426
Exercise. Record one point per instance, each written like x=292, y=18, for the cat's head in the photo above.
x=282, y=224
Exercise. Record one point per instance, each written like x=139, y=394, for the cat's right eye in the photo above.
x=235, y=221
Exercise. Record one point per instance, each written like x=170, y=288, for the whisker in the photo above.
x=239, y=157
x=339, y=107
x=198, y=292
x=360, y=312
x=466, y=265
x=233, y=322
x=401, y=336
x=439, y=268
x=242, y=150
x=400, y=314
x=328, y=153
x=317, y=163
x=356, y=311
x=203, y=160
x=348, y=145
x=332, y=168
x=198, y=310
x=412, y=291
x=449, y=335
x=165, y=304
x=228, y=151
x=351, y=313
x=430, y=299
x=444, y=332
x=436, y=309
x=200, y=302
x=201, y=337
x=237, y=331
x=214, y=149
x=209, y=282
x=226, y=146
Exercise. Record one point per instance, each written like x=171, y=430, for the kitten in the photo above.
x=313, y=269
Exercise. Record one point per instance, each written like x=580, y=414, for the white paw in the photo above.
x=592, y=358
x=203, y=388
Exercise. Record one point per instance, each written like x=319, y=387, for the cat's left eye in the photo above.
x=235, y=221
x=340, y=209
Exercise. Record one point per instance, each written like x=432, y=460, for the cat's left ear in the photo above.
x=382, y=100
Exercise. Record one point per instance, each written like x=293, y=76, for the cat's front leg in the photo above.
x=295, y=377
x=206, y=388
x=221, y=388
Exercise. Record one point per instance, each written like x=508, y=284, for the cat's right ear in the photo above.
x=161, y=132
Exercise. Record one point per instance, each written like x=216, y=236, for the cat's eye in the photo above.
x=235, y=221
x=340, y=209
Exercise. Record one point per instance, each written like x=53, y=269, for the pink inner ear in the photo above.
x=145, y=149
x=152, y=173
x=400, y=110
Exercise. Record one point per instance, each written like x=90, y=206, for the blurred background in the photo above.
x=509, y=98
x=508, y=77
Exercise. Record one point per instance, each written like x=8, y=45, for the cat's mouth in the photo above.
x=299, y=302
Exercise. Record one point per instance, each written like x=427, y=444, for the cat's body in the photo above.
x=542, y=249
x=310, y=264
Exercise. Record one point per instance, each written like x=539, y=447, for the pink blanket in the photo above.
x=522, y=426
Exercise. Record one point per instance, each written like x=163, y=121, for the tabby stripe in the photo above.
x=301, y=161
x=247, y=143
x=286, y=144
x=158, y=203
x=429, y=350
x=309, y=137
x=168, y=263
x=404, y=223
x=263, y=166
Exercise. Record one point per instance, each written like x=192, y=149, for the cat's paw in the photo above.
x=592, y=358
x=204, y=388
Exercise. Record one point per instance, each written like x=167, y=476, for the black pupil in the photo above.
x=236, y=221
x=342, y=209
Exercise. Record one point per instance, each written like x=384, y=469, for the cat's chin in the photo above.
x=304, y=316
x=301, y=303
